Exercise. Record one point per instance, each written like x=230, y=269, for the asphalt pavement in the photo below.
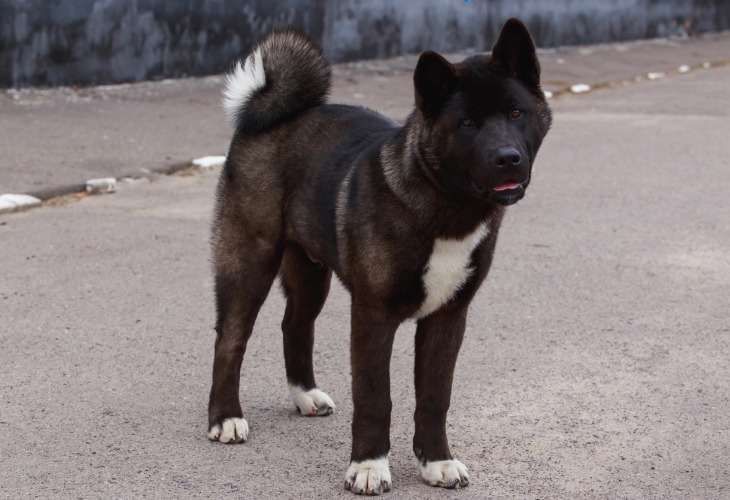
x=596, y=359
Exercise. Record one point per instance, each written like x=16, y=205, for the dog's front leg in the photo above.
x=371, y=345
x=438, y=339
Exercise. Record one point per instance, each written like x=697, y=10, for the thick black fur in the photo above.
x=310, y=189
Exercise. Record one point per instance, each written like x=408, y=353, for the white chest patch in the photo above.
x=448, y=269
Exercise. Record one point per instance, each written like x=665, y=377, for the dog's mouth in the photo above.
x=505, y=193
x=505, y=186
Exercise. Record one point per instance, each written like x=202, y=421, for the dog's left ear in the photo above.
x=514, y=53
x=435, y=80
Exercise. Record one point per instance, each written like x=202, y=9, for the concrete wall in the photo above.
x=54, y=42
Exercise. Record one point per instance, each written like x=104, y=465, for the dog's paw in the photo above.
x=370, y=477
x=229, y=430
x=445, y=473
x=312, y=402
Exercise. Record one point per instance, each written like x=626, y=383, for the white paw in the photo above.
x=312, y=402
x=231, y=430
x=370, y=477
x=445, y=473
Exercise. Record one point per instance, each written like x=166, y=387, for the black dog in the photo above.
x=407, y=217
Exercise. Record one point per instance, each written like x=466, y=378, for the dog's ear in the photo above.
x=514, y=53
x=435, y=80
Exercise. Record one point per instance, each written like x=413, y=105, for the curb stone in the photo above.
x=207, y=162
x=100, y=186
x=16, y=202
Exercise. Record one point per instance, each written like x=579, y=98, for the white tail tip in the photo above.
x=245, y=79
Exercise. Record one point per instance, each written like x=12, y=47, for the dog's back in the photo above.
x=291, y=151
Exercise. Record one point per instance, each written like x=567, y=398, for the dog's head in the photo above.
x=482, y=121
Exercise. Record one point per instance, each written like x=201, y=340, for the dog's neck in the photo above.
x=407, y=167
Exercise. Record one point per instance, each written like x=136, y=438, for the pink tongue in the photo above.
x=506, y=186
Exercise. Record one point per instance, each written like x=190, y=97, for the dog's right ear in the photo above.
x=435, y=80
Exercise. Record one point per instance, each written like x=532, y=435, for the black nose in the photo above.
x=507, y=157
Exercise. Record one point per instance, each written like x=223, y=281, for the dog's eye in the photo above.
x=516, y=113
x=467, y=122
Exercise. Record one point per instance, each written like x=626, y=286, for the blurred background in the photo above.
x=88, y=42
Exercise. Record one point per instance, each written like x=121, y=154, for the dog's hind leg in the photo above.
x=306, y=285
x=243, y=277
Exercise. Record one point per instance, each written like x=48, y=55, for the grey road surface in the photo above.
x=596, y=362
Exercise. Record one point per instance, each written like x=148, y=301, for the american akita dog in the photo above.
x=406, y=216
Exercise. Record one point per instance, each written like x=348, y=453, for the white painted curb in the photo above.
x=13, y=202
x=579, y=88
x=207, y=162
x=99, y=186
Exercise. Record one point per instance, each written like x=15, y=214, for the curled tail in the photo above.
x=285, y=74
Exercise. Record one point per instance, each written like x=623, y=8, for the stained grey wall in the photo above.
x=53, y=42
x=375, y=28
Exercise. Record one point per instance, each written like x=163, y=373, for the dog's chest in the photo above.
x=448, y=269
